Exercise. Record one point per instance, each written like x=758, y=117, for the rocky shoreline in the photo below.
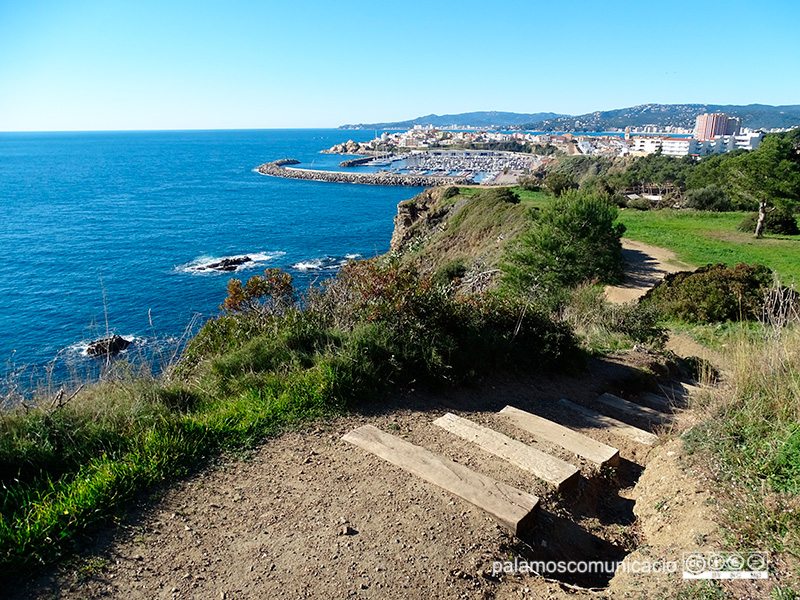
x=275, y=169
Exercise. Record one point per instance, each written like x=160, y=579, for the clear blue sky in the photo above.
x=175, y=64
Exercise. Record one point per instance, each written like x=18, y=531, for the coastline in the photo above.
x=276, y=169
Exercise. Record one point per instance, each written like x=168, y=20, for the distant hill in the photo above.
x=472, y=119
x=755, y=116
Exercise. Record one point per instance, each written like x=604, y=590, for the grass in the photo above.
x=751, y=441
x=699, y=238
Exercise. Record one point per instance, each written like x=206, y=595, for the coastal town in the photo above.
x=425, y=155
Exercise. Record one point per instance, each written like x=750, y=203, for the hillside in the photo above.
x=471, y=119
x=756, y=116
x=452, y=232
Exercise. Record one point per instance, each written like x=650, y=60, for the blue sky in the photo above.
x=174, y=64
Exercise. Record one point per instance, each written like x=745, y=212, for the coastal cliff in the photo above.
x=452, y=232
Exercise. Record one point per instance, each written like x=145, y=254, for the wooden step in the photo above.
x=631, y=408
x=679, y=389
x=554, y=471
x=570, y=440
x=611, y=425
x=662, y=403
x=513, y=508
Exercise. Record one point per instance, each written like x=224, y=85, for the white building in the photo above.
x=646, y=145
x=674, y=146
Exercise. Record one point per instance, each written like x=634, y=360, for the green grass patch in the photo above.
x=700, y=238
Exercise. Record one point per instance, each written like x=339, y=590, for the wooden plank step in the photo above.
x=663, y=403
x=567, y=438
x=632, y=409
x=513, y=508
x=601, y=421
x=679, y=389
x=553, y=470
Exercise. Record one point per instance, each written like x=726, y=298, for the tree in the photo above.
x=573, y=239
x=558, y=183
x=769, y=176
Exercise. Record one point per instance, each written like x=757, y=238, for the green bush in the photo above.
x=501, y=194
x=604, y=326
x=572, y=239
x=450, y=192
x=712, y=198
x=778, y=222
x=712, y=293
x=640, y=204
x=446, y=274
x=558, y=183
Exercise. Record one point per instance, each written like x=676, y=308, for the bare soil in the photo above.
x=310, y=516
x=645, y=266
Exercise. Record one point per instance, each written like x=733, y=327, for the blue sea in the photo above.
x=108, y=232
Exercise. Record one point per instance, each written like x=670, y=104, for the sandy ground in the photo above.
x=645, y=266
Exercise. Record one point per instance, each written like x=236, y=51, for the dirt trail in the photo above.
x=645, y=266
x=310, y=516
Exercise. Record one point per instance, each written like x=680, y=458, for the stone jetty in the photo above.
x=381, y=178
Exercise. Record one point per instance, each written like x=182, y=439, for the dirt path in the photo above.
x=310, y=516
x=645, y=266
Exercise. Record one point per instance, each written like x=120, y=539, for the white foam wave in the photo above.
x=325, y=263
x=209, y=265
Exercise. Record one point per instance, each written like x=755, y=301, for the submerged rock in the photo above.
x=111, y=345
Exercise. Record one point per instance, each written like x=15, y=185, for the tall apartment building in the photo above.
x=709, y=126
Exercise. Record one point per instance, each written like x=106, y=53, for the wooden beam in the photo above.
x=611, y=425
x=567, y=438
x=553, y=470
x=513, y=508
x=631, y=408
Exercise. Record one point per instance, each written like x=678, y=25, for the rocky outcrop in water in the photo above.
x=107, y=346
x=348, y=147
x=226, y=264
x=380, y=178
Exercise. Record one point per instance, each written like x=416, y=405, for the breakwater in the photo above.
x=355, y=162
x=381, y=178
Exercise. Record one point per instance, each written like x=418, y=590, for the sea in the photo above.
x=109, y=232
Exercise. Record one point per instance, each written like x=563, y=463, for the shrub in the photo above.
x=712, y=198
x=573, y=239
x=713, y=293
x=640, y=204
x=779, y=222
x=604, y=326
x=558, y=183
x=446, y=274
x=450, y=192
x=530, y=183
x=502, y=194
